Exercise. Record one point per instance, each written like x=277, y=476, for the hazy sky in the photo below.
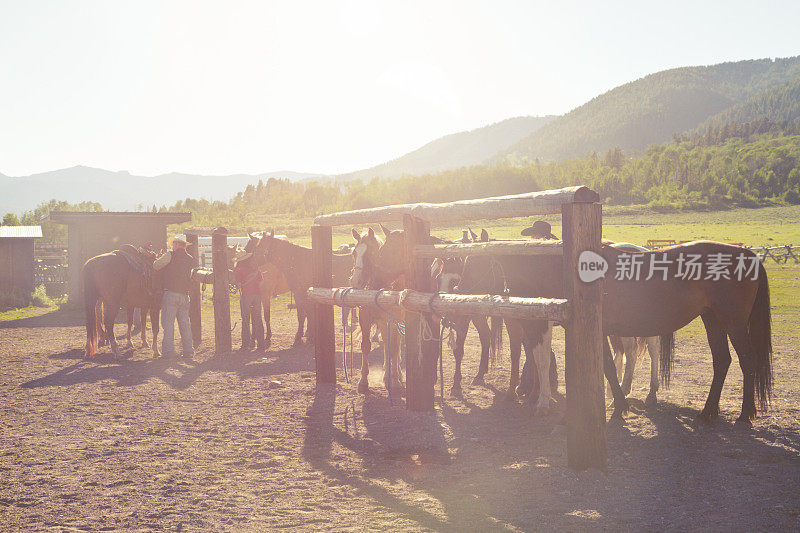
x=219, y=87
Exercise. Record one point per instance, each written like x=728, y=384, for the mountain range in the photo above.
x=640, y=113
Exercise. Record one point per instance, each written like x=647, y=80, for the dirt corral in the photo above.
x=246, y=441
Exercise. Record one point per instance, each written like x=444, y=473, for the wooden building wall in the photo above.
x=17, y=265
x=91, y=238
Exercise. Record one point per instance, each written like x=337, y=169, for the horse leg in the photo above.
x=618, y=349
x=631, y=355
x=515, y=344
x=129, y=319
x=101, y=329
x=365, y=323
x=143, y=326
x=154, y=323
x=109, y=317
x=721, y=357
x=653, y=349
x=265, y=304
x=744, y=349
x=460, y=327
x=610, y=370
x=301, y=317
x=485, y=334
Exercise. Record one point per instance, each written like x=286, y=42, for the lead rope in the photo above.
x=400, y=328
x=345, y=310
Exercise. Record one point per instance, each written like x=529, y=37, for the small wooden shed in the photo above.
x=17, y=264
x=91, y=234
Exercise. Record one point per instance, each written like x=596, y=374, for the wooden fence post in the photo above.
x=222, y=298
x=195, y=318
x=322, y=320
x=586, y=413
x=420, y=353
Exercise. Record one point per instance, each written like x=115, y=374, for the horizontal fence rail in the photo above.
x=519, y=247
x=517, y=205
x=556, y=310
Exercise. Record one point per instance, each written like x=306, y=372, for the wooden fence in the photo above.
x=580, y=313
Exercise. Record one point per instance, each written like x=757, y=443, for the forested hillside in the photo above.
x=779, y=105
x=748, y=171
x=650, y=110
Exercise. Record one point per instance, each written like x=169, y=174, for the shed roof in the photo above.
x=71, y=217
x=20, y=232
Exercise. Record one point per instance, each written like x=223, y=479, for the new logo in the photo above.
x=591, y=266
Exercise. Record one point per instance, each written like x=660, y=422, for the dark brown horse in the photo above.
x=294, y=262
x=674, y=286
x=126, y=278
x=491, y=337
x=273, y=282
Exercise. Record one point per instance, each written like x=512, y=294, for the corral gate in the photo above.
x=580, y=314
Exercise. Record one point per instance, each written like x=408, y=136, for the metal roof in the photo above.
x=69, y=217
x=20, y=232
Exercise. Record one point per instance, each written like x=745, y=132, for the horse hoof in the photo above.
x=363, y=386
x=478, y=380
x=616, y=417
x=456, y=392
x=511, y=395
x=129, y=346
x=704, y=419
x=297, y=342
x=145, y=344
x=651, y=400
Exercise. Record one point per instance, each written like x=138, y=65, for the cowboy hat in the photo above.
x=180, y=239
x=539, y=230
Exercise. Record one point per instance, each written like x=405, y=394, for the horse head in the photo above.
x=365, y=255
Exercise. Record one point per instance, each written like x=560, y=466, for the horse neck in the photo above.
x=294, y=261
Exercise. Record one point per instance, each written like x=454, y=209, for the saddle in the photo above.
x=138, y=263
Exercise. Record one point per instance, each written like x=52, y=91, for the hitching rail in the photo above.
x=527, y=247
x=515, y=205
x=507, y=307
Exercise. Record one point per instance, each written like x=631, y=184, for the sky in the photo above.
x=217, y=88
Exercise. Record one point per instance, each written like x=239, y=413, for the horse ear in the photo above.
x=473, y=235
x=356, y=235
x=372, y=233
x=384, y=230
x=484, y=236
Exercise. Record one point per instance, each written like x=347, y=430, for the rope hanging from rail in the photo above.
x=345, y=329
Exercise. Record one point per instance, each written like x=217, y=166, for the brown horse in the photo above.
x=294, y=262
x=273, y=282
x=124, y=277
x=672, y=290
x=491, y=337
x=372, y=269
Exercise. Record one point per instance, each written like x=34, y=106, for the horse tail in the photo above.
x=760, y=333
x=496, y=338
x=667, y=357
x=90, y=297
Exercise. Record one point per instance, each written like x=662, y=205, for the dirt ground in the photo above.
x=148, y=444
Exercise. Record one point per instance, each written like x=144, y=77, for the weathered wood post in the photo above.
x=586, y=413
x=421, y=350
x=322, y=320
x=222, y=298
x=194, y=292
